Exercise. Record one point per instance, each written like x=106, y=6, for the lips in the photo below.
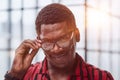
x=59, y=55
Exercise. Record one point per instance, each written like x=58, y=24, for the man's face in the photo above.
x=58, y=44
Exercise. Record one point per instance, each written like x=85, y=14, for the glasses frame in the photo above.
x=55, y=41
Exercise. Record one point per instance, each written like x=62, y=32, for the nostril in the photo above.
x=56, y=47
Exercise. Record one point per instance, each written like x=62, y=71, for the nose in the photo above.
x=56, y=49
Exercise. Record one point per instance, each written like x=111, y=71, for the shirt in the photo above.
x=83, y=71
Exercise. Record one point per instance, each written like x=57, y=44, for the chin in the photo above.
x=61, y=65
x=64, y=60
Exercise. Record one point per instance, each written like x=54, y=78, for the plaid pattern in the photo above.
x=83, y=71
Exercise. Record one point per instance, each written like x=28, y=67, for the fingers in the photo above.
x=25, y=53
x=34, y=51
x=27, y=45
x=32, y=44
x=32, y=54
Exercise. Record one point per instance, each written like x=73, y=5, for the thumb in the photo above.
x=32, y=54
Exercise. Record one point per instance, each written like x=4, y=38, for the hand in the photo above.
x=24, y=55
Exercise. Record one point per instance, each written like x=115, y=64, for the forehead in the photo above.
x=53, y=30
x=53, y=27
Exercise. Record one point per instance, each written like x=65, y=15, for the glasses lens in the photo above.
x=64, y=41
x=63, y=44
x=47, y=46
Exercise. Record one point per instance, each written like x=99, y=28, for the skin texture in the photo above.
x=60, y=61
x=24, y=55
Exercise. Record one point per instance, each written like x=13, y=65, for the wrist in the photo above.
x=9, y=76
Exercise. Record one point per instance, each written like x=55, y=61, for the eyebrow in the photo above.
x=54, y=40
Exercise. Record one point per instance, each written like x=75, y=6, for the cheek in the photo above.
x=46, y=54
x=72, y=44
x=74, y=40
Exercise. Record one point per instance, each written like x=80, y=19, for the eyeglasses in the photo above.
x=61, y=42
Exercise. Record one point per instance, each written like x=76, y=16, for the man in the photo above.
x=57, y=35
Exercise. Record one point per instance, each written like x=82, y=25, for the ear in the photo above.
x=77, y=35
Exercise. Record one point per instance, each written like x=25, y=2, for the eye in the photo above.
x=47, y=45
x=65, y=38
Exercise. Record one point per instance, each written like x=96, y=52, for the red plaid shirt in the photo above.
x=83, y=71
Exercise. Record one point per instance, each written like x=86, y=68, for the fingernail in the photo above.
x=39, y=44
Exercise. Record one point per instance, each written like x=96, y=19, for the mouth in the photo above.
x=58, y=54
x=59, y=57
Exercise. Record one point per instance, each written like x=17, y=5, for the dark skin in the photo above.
x=60, y=63
x=23, y=57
